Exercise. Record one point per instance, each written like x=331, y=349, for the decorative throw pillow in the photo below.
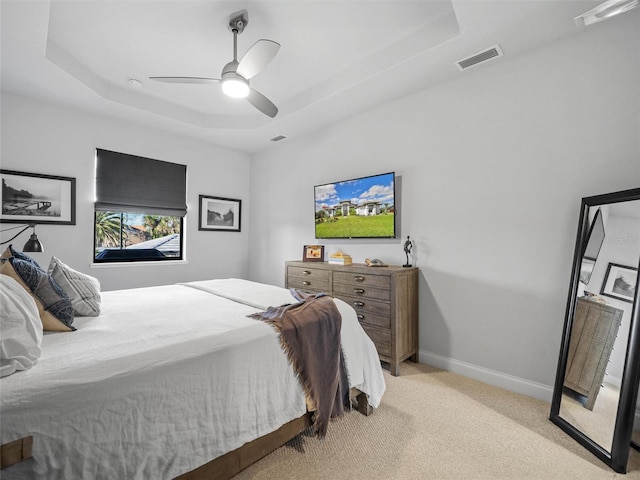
x=53, y=304
x=83, y=290
x=21, y=328
x=12, y=252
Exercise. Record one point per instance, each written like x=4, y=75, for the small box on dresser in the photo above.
x=384, y=298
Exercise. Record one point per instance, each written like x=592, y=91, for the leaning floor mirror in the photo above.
x=596, y=388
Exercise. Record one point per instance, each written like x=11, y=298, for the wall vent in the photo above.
x=277, y=138
x=480, y=57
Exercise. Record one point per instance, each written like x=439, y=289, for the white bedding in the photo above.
x=150, y=390
x=21, y=328
x=358, y=349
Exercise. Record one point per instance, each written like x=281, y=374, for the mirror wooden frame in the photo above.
x=618, y=457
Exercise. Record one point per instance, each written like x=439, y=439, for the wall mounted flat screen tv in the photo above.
x=362, y=207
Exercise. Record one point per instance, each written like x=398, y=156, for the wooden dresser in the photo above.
x=593, y=333
x=385, y=300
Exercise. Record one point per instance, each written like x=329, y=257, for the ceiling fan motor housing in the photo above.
x=230, y=67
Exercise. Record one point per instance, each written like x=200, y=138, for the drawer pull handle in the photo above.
x=358, y=278
x=360, y=316
x=358, y=304
x=306, y=283
x=307, y=272
x=359, y=291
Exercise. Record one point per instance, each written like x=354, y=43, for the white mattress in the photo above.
x=153, y=390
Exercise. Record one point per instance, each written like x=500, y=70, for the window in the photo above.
x=124, y=236
x=139, y=210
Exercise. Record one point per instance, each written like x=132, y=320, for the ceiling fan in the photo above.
x=235, y=75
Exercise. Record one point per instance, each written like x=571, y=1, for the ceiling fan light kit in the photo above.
x=233, y=84
x=235, y=75
x=235, y=87
x=605, y=10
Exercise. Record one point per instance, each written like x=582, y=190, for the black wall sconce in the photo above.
x=33, y=244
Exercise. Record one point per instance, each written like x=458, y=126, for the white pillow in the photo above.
x=20, y=328
x=83, y=290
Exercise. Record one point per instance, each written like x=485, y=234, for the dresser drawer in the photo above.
x=353, y=278
x=315, y=273
x=373, y=319
x=363, y=291
x=381, y=339
x=309, y=284
x=367, y=305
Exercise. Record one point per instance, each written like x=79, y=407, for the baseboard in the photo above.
x=611, y=380
x=491, y=377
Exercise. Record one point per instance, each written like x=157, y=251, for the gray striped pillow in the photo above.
x=83, y=290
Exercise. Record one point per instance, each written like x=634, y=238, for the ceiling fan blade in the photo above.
x=185, y=79
x=262, y=103
x=257, y=57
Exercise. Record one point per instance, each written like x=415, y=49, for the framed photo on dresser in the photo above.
x=313, y=253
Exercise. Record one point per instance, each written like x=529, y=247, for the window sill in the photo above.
x=137, y=264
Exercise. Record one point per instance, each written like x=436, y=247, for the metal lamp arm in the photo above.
x=17, y=234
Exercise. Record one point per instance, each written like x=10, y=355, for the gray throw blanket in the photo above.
x=310, y=336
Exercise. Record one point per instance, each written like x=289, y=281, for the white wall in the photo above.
x=492, y=167
x=44, y=138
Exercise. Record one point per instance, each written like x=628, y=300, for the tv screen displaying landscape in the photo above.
x=358, y=208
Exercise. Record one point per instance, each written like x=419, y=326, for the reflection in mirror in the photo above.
x=594, y=241
x=596, y=385
x=592, y=385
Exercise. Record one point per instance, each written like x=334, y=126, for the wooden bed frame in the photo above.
x=16, y=451
x=232, y=463
x=223, y=467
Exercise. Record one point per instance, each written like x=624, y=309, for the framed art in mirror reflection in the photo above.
x=620, y=282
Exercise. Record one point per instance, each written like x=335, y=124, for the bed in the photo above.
x=165, y=380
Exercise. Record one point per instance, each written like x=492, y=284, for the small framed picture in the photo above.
x=620, y=282
x=313, y=253
x=37, y=198
x=219, y=214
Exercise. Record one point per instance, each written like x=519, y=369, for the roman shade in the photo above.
x=128, y=183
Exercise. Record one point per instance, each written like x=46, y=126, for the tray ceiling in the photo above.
x=338, y=58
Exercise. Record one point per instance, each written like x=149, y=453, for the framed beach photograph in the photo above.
x=313, y=253
x=36, y=198
x=620, y=282
x=219, y=214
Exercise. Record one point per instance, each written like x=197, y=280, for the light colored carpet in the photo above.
x=442, y=426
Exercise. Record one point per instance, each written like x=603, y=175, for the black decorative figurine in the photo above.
x=407, y=250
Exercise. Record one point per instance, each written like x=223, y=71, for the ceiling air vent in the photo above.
x=481, y=57
x=277, y=138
